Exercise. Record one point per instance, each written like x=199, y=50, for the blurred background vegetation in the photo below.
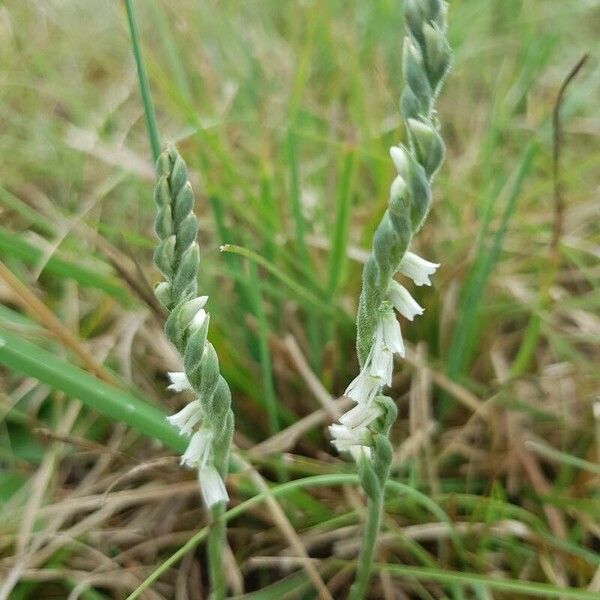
x=284, y=112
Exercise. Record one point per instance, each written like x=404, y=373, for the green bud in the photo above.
x=438, y=53
x=163, y=165
x=184, y=202
x=369, y=479
x=163, y=292
x=178, y=175
x=187, y=270
x=164, y=255
x=415, y=75
x=163, y=223
x=190, y=309
x=162, y=195
x=187, y=232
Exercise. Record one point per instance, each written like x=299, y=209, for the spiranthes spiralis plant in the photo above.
x=364, y=430
x=208, y=419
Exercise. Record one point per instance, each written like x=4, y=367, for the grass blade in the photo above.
x=25, y=357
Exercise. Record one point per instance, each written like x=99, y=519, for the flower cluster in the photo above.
x=352, y=434
x=189, y=423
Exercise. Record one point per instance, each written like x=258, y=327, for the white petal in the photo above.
x=417, y=268
x=179, y=382
x=344, y=437
x=364, y=387
x=403, y=302
x=362, y=415
x=187, y=418
x=212, y=487
x=392, y=335
x=382, y=365
x=198, y=450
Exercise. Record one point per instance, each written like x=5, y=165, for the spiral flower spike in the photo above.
x=364, y=430
x=208, y=420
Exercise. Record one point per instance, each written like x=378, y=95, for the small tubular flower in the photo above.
x=390, y=331
x=212, y=486
x=364, y=387
x=403, y=302
x=343, y=438
x=179, y=382
x=417, y=268
x=187, y=418
x=198, y=451
x=362, y=415
x=382, y=359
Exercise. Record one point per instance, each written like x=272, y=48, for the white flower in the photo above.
x=187, y=418
x=390, y=329
x=343, y=438
x=403, y=302
x=364, y=387
x=362, y=415
x=212, y=487
x=382, y=359
x=198, y=450
x=417, y=268
x=179, y=382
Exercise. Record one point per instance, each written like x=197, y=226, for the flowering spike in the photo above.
x=177, y=256
x=362, y=431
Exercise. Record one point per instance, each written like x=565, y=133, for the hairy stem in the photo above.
x=215, y=546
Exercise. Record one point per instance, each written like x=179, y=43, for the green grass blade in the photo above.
x=526, y=588
x=466, y=329
x=16, y=246
x=339, y=241
x=25, y=357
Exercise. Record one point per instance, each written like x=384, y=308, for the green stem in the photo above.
x=143, y=81
x=367, y=548
x=215, y=546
